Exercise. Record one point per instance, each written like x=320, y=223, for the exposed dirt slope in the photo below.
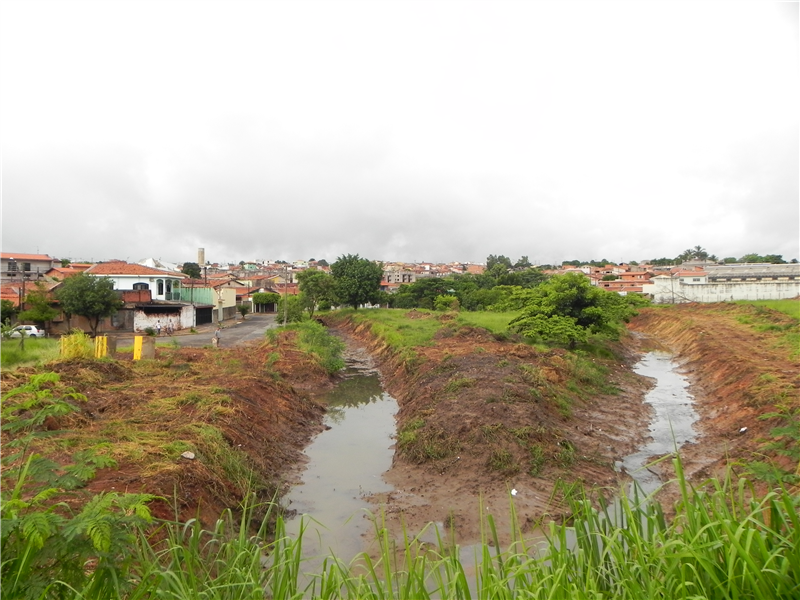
x=741, y=365
x=147, y=412
x=479, y=417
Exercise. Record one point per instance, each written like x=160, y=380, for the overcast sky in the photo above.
x=417, y=131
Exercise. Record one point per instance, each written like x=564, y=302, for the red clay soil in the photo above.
x=473, y=392
x=478, y=409
x=263, y=416
x=483, y=405
x=741, y=368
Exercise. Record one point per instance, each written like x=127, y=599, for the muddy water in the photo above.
x=345, y=464
x=672, y=424
x=347, y=461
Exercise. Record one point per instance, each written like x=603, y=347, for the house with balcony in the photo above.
x=163, y=285
x=15, y=266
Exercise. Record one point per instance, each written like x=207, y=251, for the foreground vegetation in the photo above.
x=725, y=541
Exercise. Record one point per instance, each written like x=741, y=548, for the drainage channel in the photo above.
x=346, y=462
x=345, y=465
x=673, y=420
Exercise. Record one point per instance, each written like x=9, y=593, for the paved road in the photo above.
x=233, y=333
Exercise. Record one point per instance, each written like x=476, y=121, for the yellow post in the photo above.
x=137, y=348
x=100, y=346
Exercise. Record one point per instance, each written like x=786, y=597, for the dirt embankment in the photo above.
x=241, y=410
x=739, y=361
x=479, y=417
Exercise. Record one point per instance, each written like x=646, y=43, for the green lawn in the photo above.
x=37, y=351
x=790, y=307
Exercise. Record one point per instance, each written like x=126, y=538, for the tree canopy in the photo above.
x=568, y=308
x=39, y=306
x=7, y=311
x=192, y=269
x=357, y=280
x=90, y=297
x=317, y=288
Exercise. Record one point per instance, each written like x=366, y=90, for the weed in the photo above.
x=565, y=456
x=502, y=460
x=456, y=384
x=537, y=458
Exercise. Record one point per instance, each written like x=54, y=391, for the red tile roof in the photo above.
x=15, y=256
x=120, y=267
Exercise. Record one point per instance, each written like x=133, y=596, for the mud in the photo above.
x=481, y=404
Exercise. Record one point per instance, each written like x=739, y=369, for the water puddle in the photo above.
x=345, y=465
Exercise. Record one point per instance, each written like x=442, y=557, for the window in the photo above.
x=26, y=266
x=169, y=286
x=695, y=279
x=160, y=287
x=141, y=286
x=12, y=265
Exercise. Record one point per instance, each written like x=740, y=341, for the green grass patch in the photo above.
x=314, y=339
x=36, y=351
x=496, y=322
x=790, y=307
x=395, y=328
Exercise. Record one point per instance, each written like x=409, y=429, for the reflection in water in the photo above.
x=346, y=464
x=673, y=420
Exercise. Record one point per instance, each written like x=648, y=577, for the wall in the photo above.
x=669, y=290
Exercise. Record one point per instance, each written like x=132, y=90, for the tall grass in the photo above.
x=789, y=306
x=725, y=541
x=37, y=351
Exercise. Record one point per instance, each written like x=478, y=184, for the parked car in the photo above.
x=31, y=330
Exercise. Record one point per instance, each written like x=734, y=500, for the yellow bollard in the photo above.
x=100, y=346
x=137, y=348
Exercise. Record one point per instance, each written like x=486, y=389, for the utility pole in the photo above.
x=285, y=293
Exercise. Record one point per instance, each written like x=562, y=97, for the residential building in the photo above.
x=15, y=266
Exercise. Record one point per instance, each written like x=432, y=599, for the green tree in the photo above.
x=265, y=298
x=523, y=263
x=292, y=308
x=322, y=262
x=243, y=309
x=90, y=297
x=317, y=288
x=358, y=280
x=567, y=309
x=39, y=303
x=7, y=311
x=493, y=260
x=192, y=269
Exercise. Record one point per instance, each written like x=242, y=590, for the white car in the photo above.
x=30, y=330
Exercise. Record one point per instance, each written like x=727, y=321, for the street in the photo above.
x=233, y=332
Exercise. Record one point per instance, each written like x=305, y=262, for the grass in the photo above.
x=725, y=541
x=37, y=351
x=496, y=322
x=395, y=328
x=790, y=307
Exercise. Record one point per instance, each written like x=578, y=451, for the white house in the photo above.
x=163, y=285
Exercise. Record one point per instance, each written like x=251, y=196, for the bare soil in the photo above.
x=483, y=407
x=737, y=374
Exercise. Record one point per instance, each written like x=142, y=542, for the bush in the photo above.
x=446, y=303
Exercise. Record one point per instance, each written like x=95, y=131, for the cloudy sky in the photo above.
x=418, y=131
